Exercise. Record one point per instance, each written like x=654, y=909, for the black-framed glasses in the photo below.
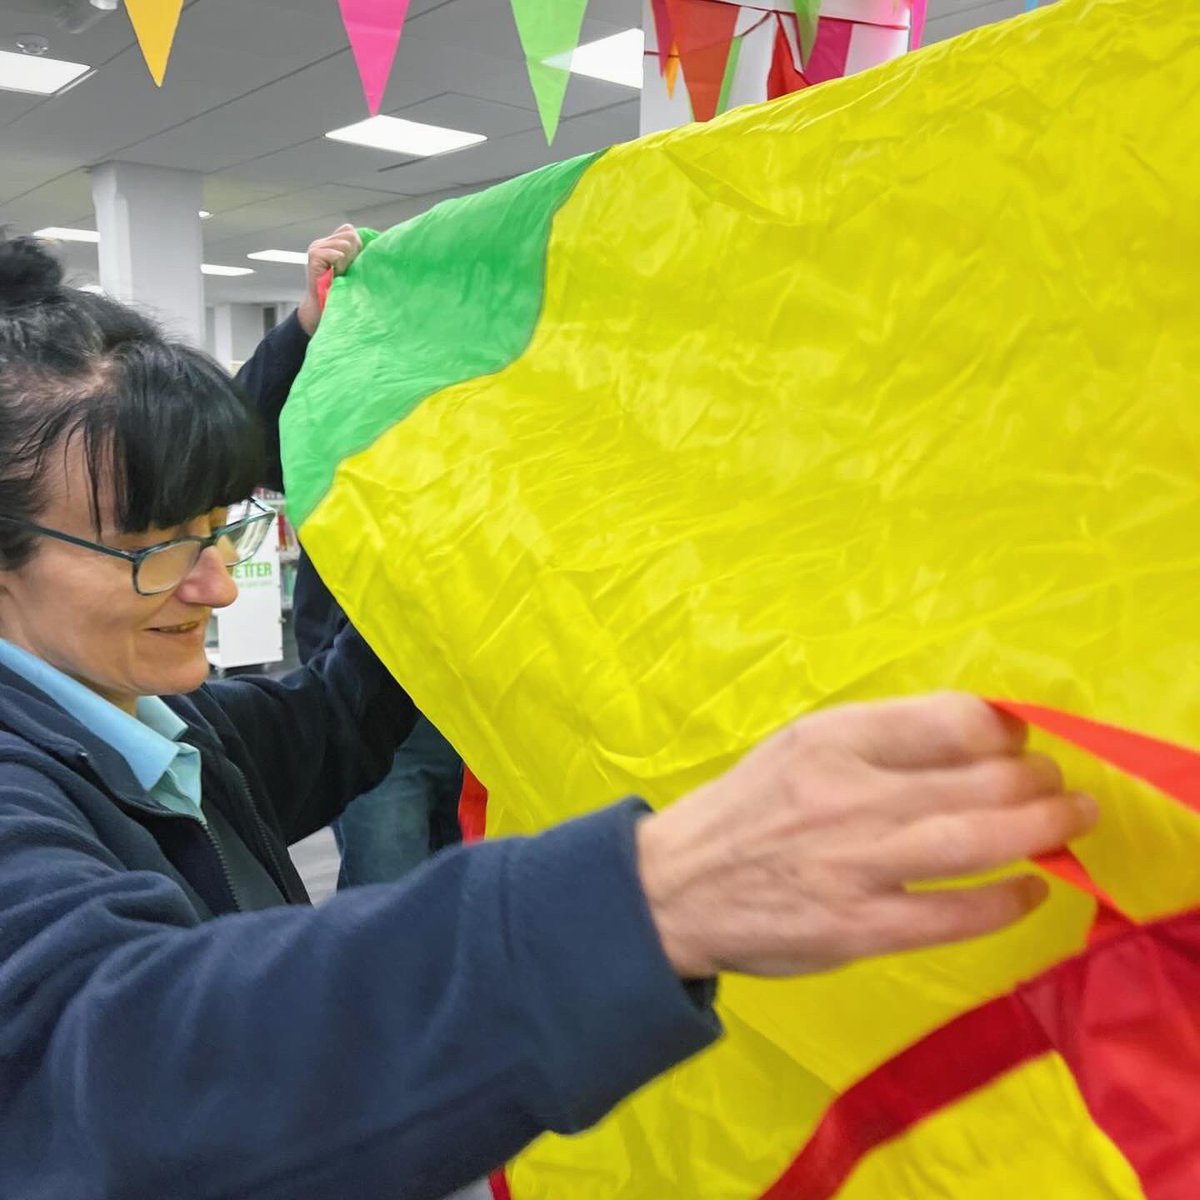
x=158, y=569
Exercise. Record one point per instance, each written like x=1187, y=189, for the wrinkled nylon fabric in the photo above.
x=883, y=387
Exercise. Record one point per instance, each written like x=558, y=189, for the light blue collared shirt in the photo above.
x=149, y=742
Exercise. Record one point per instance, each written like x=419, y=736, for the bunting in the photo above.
x=549, y=31
x=734, y=53
x=695, y=38
x=374, y=28
x=154, y=24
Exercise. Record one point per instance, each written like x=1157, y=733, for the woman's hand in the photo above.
x=800, y=858
x=335, y=252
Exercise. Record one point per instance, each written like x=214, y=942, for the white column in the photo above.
x=237, y=330
x=151, y=246
x=882, y=35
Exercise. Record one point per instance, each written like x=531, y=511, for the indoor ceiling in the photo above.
x=252, y=87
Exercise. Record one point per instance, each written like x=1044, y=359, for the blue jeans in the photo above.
x=395, y=827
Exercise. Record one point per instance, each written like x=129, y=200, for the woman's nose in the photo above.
x=209, y=582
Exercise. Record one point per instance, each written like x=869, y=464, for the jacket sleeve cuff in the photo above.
x=610, y=1012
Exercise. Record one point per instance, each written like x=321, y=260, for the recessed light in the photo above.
x=37, y=75
x=56, y=233
x=405, y=137
x=216, y=269
x=280, y=256
x=204, y=214
x=616, y=59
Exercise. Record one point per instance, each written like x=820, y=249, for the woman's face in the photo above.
x=78, y=610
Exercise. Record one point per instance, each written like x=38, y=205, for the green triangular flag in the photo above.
x=808, y=13
x=731, y=66
x=549, y=32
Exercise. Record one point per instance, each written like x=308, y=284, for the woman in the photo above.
x=175, y=1021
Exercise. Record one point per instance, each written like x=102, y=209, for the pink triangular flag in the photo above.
x=373, y=27
x=920, y=9
x=663, y=33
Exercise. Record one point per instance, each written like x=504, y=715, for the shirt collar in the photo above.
x=149, y=742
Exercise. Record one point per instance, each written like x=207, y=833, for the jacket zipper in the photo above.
x=157, y=811
x=261, y=829
x=212, y=841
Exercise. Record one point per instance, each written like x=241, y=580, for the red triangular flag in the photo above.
x=704, y=33
x=663, y=33
x=783, y=78
x=373, y=27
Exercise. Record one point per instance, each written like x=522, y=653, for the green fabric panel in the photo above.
x=450, y=295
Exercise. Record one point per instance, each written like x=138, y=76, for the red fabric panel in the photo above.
x=1172, y=769
x=1127, y=1020
x=938, y=1070
x=323, y=286
x=472, y=808
x=1124, y=1016
x=1110, y=920
x=472, y=819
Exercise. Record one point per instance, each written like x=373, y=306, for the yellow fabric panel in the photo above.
x=721, y=1128
x=885, y=387
x=1052, y=1151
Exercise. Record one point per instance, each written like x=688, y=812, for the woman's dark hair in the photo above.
x=161, y=427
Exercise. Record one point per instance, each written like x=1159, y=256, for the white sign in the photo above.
x=250, y=630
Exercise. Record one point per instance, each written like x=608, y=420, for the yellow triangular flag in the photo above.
x=155, y=22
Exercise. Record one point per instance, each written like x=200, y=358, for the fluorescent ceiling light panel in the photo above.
x=616, y=59
x=204, y=214
x=39, y=76
x=57, y=233
x=280, y=256
x=405, y=137
x=215, y=269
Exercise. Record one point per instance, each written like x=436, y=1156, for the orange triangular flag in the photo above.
x=154, y=22
x=672, y=71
